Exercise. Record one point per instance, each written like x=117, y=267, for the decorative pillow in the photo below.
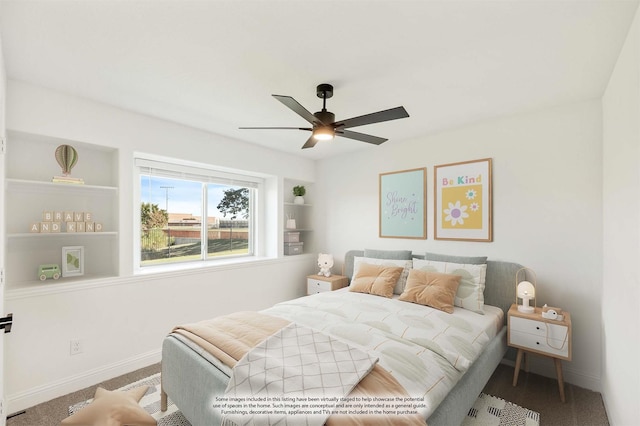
x=431, y=289
x=115, y=408
x=467, y=260
x=405, y=264
x=388, y=254
x=470, y=294
x=376, y=279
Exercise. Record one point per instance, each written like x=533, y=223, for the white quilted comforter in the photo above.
x=426, y=350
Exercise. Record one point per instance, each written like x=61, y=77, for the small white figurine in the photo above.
x=325, y=262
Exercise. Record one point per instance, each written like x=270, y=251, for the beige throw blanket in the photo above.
x=230, y=337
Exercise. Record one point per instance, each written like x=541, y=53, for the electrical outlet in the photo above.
x=75, y=347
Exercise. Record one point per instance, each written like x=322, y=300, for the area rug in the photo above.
x=487, y=411
x=490, y=410
x=151, y=403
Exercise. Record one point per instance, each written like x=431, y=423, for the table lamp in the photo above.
x=525, y=290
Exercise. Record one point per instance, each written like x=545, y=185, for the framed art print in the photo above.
x=402, y=206
x=463, y=206
x=72, y=261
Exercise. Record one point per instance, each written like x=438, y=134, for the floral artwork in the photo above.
x=463, y=201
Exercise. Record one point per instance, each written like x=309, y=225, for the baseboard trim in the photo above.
x=544, y=367
x=37, y=395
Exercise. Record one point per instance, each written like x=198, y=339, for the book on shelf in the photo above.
x=67, y=179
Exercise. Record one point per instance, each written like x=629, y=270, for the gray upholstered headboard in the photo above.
x=500, y=287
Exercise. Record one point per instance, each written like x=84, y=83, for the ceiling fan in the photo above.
x=324, y=126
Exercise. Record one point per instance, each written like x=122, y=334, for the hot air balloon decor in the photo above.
x=67, y=157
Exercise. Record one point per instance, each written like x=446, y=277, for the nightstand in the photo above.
x=532, y=333
x=320, y=283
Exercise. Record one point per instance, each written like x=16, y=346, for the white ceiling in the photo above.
x=214, y=64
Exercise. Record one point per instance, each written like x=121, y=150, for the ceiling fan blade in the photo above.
x=292, y=104
x=360, y=137
x=375, y=117
x=291, y=128
x=310, y=143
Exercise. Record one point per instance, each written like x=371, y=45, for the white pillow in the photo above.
x=470, y=294
x=402, y=281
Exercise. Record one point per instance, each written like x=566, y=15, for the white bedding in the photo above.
x=426, y=350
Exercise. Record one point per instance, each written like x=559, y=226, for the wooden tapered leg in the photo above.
x=560, y=378
x=517, y=370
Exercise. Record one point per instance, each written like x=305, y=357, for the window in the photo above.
x=194, y=213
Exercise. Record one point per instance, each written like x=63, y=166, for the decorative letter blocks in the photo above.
x=73, y=222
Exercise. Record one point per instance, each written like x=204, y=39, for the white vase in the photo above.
x=298, y=200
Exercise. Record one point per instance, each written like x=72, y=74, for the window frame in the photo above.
x=189, y=170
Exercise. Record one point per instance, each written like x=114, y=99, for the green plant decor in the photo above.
x=299, y=191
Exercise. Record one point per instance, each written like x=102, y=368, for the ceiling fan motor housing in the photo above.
x=326, y=117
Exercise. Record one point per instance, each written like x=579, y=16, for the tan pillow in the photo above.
x=113, y=408
x=376, y=279
x=431, y=289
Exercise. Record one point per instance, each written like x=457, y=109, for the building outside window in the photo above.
x=191, y=213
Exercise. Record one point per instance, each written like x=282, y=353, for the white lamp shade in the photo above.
x=526, y=289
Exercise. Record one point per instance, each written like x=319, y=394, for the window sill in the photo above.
x=213, y=265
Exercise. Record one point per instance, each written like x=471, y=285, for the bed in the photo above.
x=192, y=377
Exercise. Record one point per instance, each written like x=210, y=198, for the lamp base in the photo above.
x=526, y=309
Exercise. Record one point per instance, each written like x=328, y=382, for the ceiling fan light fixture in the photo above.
x=324, y=133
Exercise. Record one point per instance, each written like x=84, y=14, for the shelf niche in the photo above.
x=29, y=191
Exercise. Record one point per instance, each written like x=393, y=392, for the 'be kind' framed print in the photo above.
x=463, y=206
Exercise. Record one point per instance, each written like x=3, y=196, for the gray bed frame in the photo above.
x=192, y=378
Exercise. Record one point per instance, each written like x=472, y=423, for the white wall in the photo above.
x=122, y=323
x=547, y=209
x=621, y=242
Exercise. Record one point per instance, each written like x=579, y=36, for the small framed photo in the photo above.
x=72, y=261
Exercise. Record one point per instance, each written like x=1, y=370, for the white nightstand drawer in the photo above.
x=558, y=347
x=538, y=328
x=317, y=286
x=320, y=283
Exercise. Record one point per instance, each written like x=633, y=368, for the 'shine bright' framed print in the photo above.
x=403, y=198
x=463, y=206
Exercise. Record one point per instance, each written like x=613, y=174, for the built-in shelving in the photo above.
x=29, y=191
x=302, y=213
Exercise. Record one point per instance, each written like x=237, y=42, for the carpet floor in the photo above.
x=487, y=411
x=537, y=393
